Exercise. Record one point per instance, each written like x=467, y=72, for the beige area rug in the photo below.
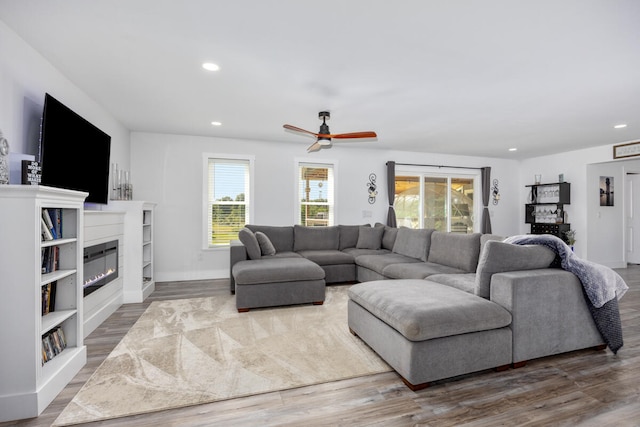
x=193, y=351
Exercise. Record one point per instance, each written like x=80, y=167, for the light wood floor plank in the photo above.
x=586, y=387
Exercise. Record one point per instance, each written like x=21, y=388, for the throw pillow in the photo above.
x=370, y=238
x=498, y=257
x=250, y=242
x=266, y=247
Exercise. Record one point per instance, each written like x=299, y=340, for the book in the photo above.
x=46, y=234
x=46, y=216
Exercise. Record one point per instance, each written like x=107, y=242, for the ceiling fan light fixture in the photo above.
x=324, y=141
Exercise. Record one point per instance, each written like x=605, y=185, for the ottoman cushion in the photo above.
x=421, y=310
x=272, y=270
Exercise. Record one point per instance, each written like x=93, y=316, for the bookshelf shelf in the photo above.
x=30, y=381
x=138, y=268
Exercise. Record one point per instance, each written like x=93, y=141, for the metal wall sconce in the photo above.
x=495, y=192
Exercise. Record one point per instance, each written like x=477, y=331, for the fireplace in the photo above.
x=100, y=265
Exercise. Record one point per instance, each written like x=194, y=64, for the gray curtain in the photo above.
x=391, y=191
x=485, y=226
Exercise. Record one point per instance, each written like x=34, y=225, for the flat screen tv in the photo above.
x=74, y=154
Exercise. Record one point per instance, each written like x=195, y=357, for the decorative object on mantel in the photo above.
x=31, y=172
x=537, y=179
x=606, y=191
x=495, y=192
x=372, y=188
x=4, y=159
x=324, y=136
x=561, y=177
x=122, y=189
x=630, y=149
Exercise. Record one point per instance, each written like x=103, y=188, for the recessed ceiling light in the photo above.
x=210, y=66
x=216, y=124
x=513, y=149
x=620, y=126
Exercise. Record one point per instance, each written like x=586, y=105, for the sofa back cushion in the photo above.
x=455, y=250
x=498, y=257
x=281, y=236
x=389, y=236
x=349, y=235
x=315, y=238
x=412, y=242
x=266, y=247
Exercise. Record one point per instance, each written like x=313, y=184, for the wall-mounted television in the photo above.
x=74, y=154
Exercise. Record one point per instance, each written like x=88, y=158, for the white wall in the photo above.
x=167, y=169
x=600, y=230
x=25, y=77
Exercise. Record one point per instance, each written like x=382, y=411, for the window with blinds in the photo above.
x=228, y=198
x=315, y=194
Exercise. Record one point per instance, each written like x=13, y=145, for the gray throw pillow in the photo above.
x=250, y=242
x=498, y=257
x=370, y=238
x=266, y=247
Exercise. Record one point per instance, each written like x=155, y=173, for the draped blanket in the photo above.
x=602, y=286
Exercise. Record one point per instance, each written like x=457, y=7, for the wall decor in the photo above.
x=495, y=192
x=606, y=191
x=372, y=188
x=629, y=149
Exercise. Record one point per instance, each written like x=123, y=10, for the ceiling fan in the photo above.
x=324, y=137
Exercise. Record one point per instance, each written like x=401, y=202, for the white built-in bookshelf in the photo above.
x=43, y=342
x=138, y=248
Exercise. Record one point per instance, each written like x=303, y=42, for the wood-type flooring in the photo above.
x=582, y=388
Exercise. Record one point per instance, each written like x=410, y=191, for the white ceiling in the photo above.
x=443, y=76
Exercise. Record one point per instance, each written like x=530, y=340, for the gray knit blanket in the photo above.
x=602, y=286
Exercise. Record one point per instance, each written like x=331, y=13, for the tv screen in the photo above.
x=74, y=154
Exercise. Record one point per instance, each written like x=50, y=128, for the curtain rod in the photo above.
x=439, y=166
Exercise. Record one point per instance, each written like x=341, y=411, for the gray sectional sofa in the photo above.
x=432, y=304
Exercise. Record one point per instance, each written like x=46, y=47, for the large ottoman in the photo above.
x=269, y=282
x=427, y=331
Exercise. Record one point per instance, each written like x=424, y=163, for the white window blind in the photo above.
x=229, y=199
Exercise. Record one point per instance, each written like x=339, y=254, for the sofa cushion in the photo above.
x=417, y=270
x=328, y=257
x=455, y=250
x=370, y=238
x=465, y=281
x=280, y=236
x=266, y=247
x=499, y=257
x=275, y=270
x=315, y=238
x=412, y=242
x=389, y=235
x=349, y=235
x=250, y=242
x=355, y=252
x=378, y=263
x=422, y=310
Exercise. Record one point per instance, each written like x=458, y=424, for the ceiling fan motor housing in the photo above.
x=324, y=128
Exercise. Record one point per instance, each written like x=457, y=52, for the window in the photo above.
x=315, y=205
x=439, y=201
x=228, y=201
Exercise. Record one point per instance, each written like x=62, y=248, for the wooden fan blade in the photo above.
x=314, y=147
x=297, y=129
x=367, y=134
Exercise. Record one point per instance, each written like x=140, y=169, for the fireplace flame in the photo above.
x=98, y=277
